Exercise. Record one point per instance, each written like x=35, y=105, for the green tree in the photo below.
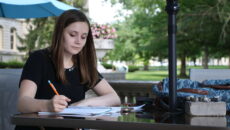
x=203, y=28
x=39, y=34
x=142, y=23
x=124, y=49
x=208, y=25
x=223, y=11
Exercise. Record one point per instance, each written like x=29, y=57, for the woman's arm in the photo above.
x=27, y=103
x=107, y=96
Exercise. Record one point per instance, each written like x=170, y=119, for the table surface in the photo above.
x=137, y=120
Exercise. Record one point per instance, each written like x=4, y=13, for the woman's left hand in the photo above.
x=106, y=96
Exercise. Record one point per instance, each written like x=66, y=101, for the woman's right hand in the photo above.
x=58, y=103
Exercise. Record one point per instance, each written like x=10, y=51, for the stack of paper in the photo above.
x=88, y=111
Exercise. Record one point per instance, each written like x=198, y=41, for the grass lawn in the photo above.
x=157, y=74
x=147, y=75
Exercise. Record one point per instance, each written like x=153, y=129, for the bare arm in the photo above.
x=107, y=96
x=27, y=103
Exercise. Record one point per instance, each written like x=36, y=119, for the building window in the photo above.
x=12, y=38
x=1, y=37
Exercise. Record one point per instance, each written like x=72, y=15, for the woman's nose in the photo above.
x=78, y=40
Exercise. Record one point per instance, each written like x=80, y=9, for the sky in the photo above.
x=102, y=12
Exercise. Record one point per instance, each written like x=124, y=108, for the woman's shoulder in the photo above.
x=39, y=52
x=39, y=55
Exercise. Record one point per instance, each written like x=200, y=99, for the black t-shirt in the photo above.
x=39, y=68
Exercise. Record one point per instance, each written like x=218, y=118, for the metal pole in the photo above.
x=172, y=8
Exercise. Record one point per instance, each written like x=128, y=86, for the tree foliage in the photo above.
x=39, y=34
x=202, y=29
x=145, y=40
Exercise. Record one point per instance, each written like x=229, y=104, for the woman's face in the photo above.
x=74, y=37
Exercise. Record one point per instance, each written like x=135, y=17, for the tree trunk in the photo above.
x=146, y=67
x=146, y=64
x=229, y=62
x=205, y=58
x=194, y=61
x=183, y=67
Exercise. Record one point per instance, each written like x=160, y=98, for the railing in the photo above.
x=130, y=89
x=114, y=75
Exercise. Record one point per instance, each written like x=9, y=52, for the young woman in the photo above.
x=70, y=65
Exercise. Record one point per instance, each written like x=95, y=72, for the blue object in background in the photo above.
x=32, y=8
x=224, y=94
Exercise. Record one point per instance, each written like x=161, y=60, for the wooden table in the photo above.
x=130, y=121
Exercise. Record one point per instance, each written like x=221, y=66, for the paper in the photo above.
x=78, y=111
x=112, y=115
x=137, y=108
x=88, y=111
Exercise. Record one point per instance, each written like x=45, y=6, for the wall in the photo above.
x=6, y=53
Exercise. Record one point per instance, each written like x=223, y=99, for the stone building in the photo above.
x=10, y=29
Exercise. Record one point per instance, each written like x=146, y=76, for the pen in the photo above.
x=52, y=86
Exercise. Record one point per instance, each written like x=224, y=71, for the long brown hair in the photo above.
x=85, y=59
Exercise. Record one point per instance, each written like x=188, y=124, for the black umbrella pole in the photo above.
x=172, y=8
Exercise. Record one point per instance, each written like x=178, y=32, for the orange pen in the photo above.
x=52, y=86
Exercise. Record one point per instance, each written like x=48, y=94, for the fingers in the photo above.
x=59, y=102
x=62, y=97
x=63, y=100
x=58, y=108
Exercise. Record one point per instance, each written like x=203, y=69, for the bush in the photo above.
x=133, y=68
x=107, y=66
x=3, y=64
x=11, y=64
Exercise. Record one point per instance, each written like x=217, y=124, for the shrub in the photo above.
x=107, y=66
x=3, y=64
x=11, y=64
x=133, y=68
x=15, y=64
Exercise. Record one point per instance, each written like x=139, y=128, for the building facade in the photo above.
x=10, y=29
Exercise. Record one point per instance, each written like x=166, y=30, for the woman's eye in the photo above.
x=84, y=36
x=72, y=35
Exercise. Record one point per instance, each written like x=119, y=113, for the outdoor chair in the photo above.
x=209, y=74
x=9, y=80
